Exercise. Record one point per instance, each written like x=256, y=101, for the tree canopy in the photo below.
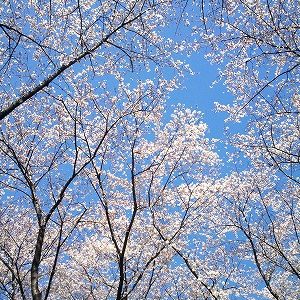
x=105, y=194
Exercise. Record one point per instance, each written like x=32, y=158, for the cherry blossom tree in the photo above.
x=262, y=219
x=42, y=40
x=66, y=71
x=85, y=155
x=257, y=44
x=149, y=189
x=107, y=194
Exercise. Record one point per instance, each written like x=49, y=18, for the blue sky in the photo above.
x=197, y=93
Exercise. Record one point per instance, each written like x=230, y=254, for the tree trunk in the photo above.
x=36, y=294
